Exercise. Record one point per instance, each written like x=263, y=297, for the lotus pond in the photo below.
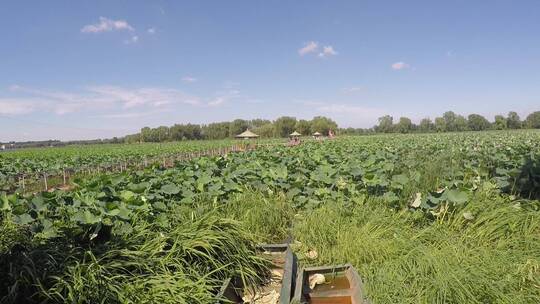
x=434, y=218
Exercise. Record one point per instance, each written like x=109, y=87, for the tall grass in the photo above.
x=493, y=258
x=184, y=263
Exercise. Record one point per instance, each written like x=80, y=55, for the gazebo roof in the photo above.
x=247, y=134
x=295, y=134
x=317, y=134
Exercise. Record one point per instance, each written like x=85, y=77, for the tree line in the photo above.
x=281, y=127
x=450, y=122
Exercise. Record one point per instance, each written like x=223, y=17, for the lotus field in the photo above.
x=425, y=218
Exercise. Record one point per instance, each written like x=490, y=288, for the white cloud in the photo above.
x=133, y=39
x=127, y=115
x=217, y=101
x=309, y=47
x=154, y=97
x=400, y=65
x=327, y=51
x=151, y=31
x=12, y=106
x=189, y=79
x=107, y=25
x=93, y=99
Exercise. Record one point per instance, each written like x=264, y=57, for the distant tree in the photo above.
x=478, y=122
x=255, y=123
x=237, y=126
x=386, y=124
x=176, y=132
x=500, y=123
x=146, y=135
x=426, y=125
x=323, y=125
x=460, y=123
x=449, y=121
x=163, y=133
x=133, y=138
x=192, y=131
x=440, y=124
x=404, y=125
x=216, y=130
x=303, y=127
x=533, y=120
x=513, y=121
x=284, y=126
x=265, y=131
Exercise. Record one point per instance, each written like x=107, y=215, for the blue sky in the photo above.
x=88, y=69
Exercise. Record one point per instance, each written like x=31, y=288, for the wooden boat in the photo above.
x=340, y=285
x=284, y=267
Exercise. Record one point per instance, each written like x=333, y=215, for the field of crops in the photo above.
x=434, y=218
x=19, y=169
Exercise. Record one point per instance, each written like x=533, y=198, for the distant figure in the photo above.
x=330, y=134
x=294, y=141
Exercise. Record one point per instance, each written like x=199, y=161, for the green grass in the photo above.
x=494, y=258
x=185, y=262
x=402, y=256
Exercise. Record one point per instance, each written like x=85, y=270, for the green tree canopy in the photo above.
x=500, y=122
x=303, y=127
x=323, y=125
x=533, y=120
x=440, y=124
x=478, y=122
x=237, y=126
x=450, y=121
x=513, y=120
x=426, y=125
x=386, y=124
x=284, y=126
x=404, y=125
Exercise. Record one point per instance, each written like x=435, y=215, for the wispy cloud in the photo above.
x=327, y=51
x=12, y=106
x=400, y=65
x=129, y=115
x=93, y=98
x=151, y=31
x=154, y=97
x=107, y=25
x=309, y=47
x=189, y=79
x=217, y=101
x=352, y=89
x=110, y=98
x=133, y=39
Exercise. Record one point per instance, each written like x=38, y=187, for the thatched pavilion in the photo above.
x=247, y=135
x=295, y=134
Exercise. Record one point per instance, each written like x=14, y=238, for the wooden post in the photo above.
x=64, y=175
x=23, y=185
x=45, y=181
